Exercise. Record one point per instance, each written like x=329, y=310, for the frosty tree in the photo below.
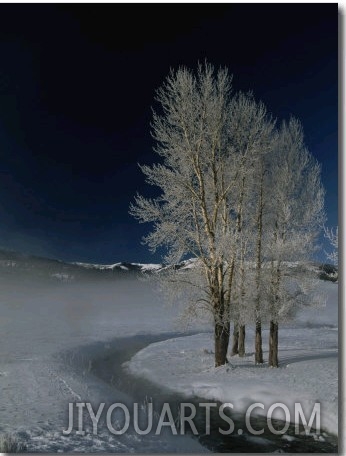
x=197, y=177
x=295, y=218
x=251, y=140
x=236, y=194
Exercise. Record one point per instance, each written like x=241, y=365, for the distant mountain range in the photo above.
x=13, y=264
x=137, y=267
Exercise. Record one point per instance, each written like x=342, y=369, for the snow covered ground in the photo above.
x=308, y=371
x=53, y=332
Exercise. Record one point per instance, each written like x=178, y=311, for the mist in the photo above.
x=40, y=318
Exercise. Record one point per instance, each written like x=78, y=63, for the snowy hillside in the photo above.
x=322, y=271
x=123, y=266
x=13, y=263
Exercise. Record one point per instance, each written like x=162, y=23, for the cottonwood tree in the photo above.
x=251, y=139
x=296, y=218
x=192, y=214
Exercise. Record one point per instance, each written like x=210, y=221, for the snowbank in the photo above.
x=185, y=365
x=308, y=371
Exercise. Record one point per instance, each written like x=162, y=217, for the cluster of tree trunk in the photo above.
x=238, y=345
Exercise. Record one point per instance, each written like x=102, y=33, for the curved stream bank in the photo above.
x=101, y=364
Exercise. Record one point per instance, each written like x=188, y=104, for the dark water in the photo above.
x=106, y=365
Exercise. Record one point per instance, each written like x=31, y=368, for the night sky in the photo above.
x=77, y=84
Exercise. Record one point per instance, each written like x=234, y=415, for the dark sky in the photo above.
x=77, y=83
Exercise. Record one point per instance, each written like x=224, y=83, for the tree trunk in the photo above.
x=258, y=344
x=221, y=343
x=258, y=335
x=235, y=349
x=241, y=340
x=273, y=344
